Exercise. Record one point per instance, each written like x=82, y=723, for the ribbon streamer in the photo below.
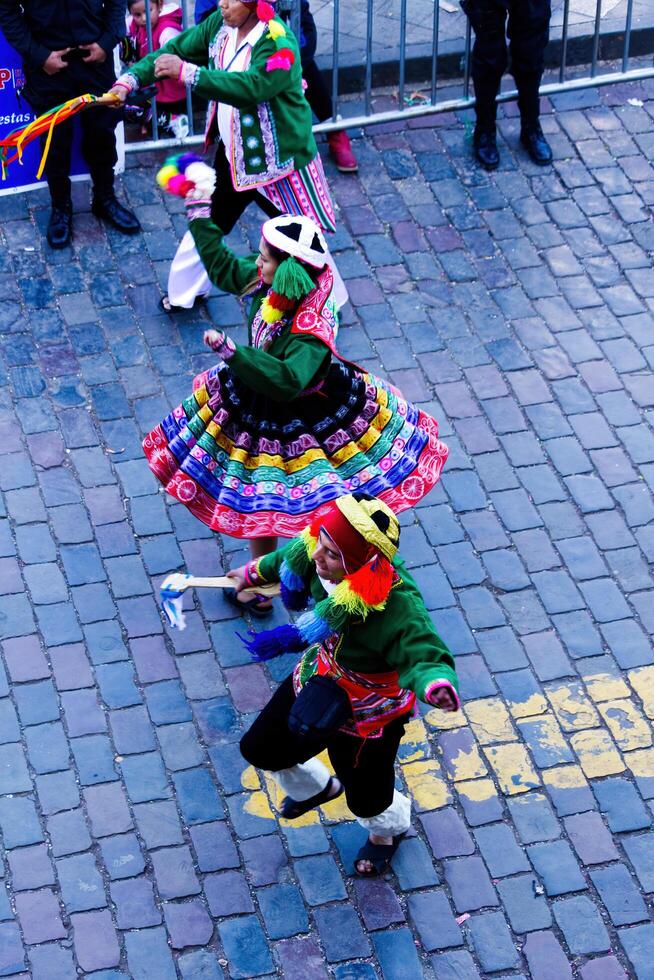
x=18, y=139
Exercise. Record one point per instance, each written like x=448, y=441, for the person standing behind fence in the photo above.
x=67, y=50
x=267, y=153
x=165, y=24
x=528, y=33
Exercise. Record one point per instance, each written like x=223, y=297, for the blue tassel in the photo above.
x=294, y=590
x=293, y=599
x=272, y=643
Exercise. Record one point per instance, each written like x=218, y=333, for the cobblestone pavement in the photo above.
x=519, y=307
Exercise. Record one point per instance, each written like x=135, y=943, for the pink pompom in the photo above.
x=175, y=184
x=282, y=59
x=264, y=11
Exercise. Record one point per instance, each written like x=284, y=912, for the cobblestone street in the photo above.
x=518, y=307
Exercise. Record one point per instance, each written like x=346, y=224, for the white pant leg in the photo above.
x=187, y=278
x=391, y=822
x=304, y=780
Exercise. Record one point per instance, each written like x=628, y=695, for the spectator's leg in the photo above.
x=99, y=148
x=320, y=101
x=43, y=92
x=528, y=34
x=488, y=64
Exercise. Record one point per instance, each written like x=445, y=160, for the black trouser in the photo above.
x=364, y=766
x=528, y=33
x=44, y=92
x=227, y=204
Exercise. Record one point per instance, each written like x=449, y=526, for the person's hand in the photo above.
x=238, y=577
x=443, y=698
x=94, y=53
x=167, y=66
x=121, y=95
x=55, y=61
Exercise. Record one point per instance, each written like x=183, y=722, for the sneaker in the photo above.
x=340, y=150
x=485, y=146
x=536, y=145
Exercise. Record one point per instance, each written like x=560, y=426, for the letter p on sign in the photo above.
x=5, y=75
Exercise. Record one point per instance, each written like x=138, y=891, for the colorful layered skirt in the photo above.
x=249, y=467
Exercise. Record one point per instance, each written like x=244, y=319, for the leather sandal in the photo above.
x=379, y=855
x=258, y=606
x=291, y=809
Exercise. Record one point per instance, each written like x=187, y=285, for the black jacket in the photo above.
x=37, y=27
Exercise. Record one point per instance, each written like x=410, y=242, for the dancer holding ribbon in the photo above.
x=278, y=429
x=369, y=649
x=247, y=63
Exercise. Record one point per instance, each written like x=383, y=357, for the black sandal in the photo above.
x=379, y=855
x=253, y=606
x=171, y=308
x=291, y=809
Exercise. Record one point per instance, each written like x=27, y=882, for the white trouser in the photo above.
x=188, y=277
x=309, y=778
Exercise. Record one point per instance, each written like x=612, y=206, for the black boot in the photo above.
x=485, y=144
x=60, y=226
x=108, y=207
x=531, y=137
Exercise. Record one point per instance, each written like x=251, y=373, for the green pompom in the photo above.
x=292, y=280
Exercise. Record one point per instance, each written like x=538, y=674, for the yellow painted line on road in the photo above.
x=257, y=805
x=466, y=765
x=513, y=768
x=444, y=721
x=642, y=681
x=535, y=704
x=477, y=790
x=627, y=725
x=606, y=687
x=415, y=742
x=426, y=785
x=573, y=709
x=545, y=732
x=641, y=763
x=597, y=754
x=250, y=778
x=565, y=777
x=490, y=721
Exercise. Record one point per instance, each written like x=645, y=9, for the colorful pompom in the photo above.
x=175, y=183
x=283, y=60
x=276, y=29
x=167, y=172
x=182, y=174
x=264, y=11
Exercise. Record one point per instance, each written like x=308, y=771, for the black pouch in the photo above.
x=320, y=709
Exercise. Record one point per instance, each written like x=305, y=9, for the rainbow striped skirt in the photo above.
x=250, y=467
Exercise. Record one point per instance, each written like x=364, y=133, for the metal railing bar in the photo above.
x=335, y=53
x=368, y=78
x=627, y=35
x=148, y=31
x=434, y=59
x=189, y=98
x=466, y=67
x=402, y=52
x=448, y=105
x=564, y=40
x=596, y=38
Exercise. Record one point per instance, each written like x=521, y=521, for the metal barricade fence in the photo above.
x=434, y=104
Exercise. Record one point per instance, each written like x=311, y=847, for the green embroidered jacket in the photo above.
x=293, y=362
x=401, y=637
x=272, y=133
